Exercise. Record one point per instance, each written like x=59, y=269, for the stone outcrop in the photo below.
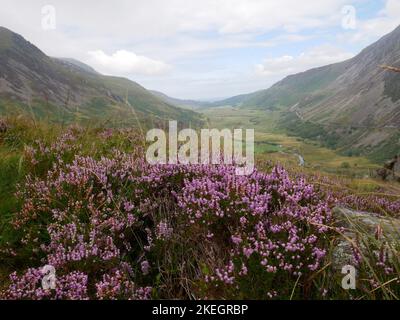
x=390, y=170
x=385, y=230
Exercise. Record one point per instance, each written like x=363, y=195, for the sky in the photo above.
x=202, y=49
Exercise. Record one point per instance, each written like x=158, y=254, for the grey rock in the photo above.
x=384, y=230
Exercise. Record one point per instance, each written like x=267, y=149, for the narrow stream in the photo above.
x=301, y=160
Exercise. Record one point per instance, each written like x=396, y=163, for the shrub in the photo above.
x=115, y=227
x=104, y=222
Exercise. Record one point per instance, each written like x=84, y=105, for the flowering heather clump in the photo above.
x=80, y=219
x=99, y=223
x=379, y=201
x=371, y=203
x=118, y=285
x=71, y=286
x=274, y=225
x=45, y=154
x=116, y=227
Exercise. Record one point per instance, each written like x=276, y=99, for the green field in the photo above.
x=273, y=143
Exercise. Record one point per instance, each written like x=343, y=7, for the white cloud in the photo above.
x=371, y=29
x=238, y=16
x=288, y=64
x=198, y=37
x=154, y=26
x=126, y=63
x=159, y=18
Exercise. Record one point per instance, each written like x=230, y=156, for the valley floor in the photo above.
x=272, y=143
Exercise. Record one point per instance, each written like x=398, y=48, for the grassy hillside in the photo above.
x=67, y=90
x=290, y=90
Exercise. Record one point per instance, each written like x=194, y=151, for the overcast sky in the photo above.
x=202, y=49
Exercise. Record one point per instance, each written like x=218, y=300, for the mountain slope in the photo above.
x=66, y=89
x=353, y=105
x=183, y=103
x=73, y=63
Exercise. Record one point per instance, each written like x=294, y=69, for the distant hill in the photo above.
x=66, y=89
x=187, y=104
x=352, y=105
